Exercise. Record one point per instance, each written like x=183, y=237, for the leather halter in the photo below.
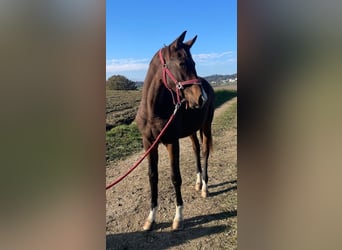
x=179, y=85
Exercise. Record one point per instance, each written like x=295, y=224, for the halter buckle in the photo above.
x=179, y=85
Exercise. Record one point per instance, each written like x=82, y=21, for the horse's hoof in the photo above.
x=177, y=225
x=198, y=186
x=148, y=226
x=204, y=194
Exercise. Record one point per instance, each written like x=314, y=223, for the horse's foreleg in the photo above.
x=196, y=148
x=206, y=146
x=153, y=178
x=176, y=178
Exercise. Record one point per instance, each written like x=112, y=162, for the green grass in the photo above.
x=122, y=141
x=223, y=95
x=227, y=120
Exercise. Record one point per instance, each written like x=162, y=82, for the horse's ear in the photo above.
x=191, y=42
x=178, y=42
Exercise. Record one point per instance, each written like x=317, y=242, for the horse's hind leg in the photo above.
x=173, y=149
x=206, y=147
x=153, y=178
x=196, y=148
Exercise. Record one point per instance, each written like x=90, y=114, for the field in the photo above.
x=210, y=223
x=122, y=135
x=121, y=107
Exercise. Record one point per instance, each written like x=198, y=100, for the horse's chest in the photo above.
x=189, y=122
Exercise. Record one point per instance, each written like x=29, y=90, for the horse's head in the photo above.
x=179, y=72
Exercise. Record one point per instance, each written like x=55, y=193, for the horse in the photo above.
x=172, y=81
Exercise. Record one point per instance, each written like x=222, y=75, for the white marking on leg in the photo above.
x=179, y=213
x=198, y=185
x=198, y=178
x=204, y=186
x=152, y=216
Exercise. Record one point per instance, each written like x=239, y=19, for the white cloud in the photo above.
x=131, y=64
x=126, y=65
x=214, y=57
x=207, y=64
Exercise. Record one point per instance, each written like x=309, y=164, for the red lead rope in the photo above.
x=136, y=164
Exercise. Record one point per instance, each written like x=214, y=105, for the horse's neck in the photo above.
x=153, y=75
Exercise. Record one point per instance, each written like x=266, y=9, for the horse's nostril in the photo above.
x=200, y=101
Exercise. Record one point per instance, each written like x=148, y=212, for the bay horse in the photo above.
x=172, y=80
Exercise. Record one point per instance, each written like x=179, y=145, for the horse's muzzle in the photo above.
x=202, y=99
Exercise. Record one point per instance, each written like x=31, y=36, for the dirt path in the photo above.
x=210, y=223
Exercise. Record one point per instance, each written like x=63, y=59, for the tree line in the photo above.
x=119, y=82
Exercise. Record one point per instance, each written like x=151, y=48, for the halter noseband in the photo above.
x=179, y=85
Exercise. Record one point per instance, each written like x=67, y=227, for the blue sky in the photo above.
x=136, y=30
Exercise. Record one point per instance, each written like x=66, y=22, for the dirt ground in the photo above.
x=210, y=223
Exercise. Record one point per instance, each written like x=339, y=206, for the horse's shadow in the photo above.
x=229, y=188
x=159, y=239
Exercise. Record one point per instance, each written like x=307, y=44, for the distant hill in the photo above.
x=221, y=79
x=139, y=84
x=214, y=80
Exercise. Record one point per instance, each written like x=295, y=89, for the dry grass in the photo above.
x=121, y=106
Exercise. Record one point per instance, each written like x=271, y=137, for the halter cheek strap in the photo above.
x=179, y=85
